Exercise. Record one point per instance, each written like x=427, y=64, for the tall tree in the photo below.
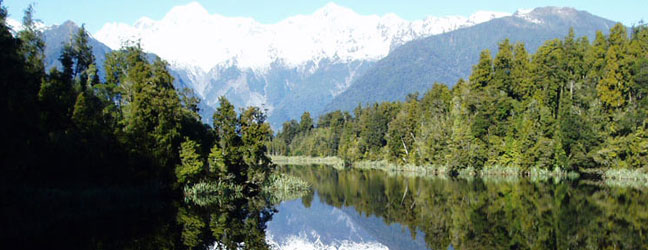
x=482, y=73
x=503, y=66
x=191, y=164
x=305, y=123
x=611, y=89
x=521, y=82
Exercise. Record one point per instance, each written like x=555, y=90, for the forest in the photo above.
x=65, y=128
x=573, y=105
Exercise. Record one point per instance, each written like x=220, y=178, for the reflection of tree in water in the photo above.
x=491, y=215
x=240, y=222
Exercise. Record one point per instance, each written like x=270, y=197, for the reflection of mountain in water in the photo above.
x=322, y=226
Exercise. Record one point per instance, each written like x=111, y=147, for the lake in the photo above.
x=356, y=209
x=378, y=210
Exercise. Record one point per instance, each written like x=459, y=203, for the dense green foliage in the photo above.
x=449, y=56
x=72, y=139
x=572, y=105
x=67, y=128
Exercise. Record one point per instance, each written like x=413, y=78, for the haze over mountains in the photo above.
x=331, y=59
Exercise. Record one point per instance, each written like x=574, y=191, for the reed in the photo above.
x=635, y=177
x=283, y=187
x=305, y=160
x=210, y=193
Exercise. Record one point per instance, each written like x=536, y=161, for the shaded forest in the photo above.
x=66, y=128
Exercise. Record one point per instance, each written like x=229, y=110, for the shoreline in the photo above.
x=615, y=177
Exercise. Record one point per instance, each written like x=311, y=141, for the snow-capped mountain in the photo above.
x=288, y=67
x=189, y=35
x=447, y=57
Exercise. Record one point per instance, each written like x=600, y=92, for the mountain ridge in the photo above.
x=298, y=64
x=324, y=84
x=445, y=58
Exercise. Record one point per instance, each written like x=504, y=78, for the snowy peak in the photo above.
x=485, y=16
x=192, y=9
x=553, y=11
x=16, y=26
x=548, y=14
x=189, y=36
x=332, y=10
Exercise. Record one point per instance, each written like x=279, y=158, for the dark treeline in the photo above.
x=80, y=150
x=574, y=104
x=67, y=128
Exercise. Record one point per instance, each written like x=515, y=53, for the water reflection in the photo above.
x=490, y=214
x=349, y=208
x=310, y=223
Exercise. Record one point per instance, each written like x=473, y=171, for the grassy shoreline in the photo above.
x=422, y=170
x=616, y=177
x=305, y=160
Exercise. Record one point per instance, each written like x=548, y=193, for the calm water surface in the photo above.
x=355, y=209
x=372, y=208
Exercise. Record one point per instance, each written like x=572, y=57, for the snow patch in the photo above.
x=190, y=35
x=16, y=26
x=484, y=16
x=527, y=15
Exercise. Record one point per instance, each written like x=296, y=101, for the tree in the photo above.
x=191, y=164
x=595, y=57
x=217, y=166
x=82, y=54
x=521, y=82
x=306, y=123
x=611, y=89
x=503, y=66
x=255, y=132
x=482, y=73
x=227, y=127
x=86, y=113
x=33, y=45
x=549, y=74
x=401, y=136
x=435, y=125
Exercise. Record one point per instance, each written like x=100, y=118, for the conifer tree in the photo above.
x=520, y=72
x=191, y=164
x=503, y=66
x=482, y=73
x=611, y=88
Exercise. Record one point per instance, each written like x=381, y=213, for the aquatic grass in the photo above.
x=467, y=172
x=626, y=177
x=283, y=187
x=209, y=193
x=500, y=178
x=286, y=182
x=409, y=168
x=496, y=173
x=305, y=160
x=499, y=170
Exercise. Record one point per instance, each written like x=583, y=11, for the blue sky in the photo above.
x=95, y=13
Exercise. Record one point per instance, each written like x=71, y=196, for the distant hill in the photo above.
x=445, y=58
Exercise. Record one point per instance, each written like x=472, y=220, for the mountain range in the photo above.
x=445, y=58
x=331, y=59
x=296, y=65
